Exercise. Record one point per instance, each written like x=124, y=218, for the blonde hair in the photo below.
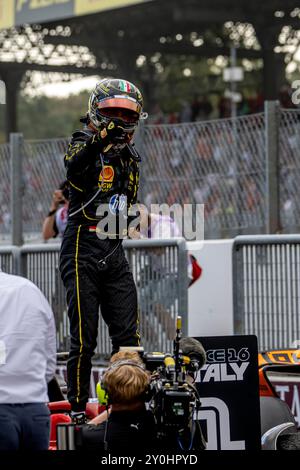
x=126, y=383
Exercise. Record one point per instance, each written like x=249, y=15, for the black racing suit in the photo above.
x=95, y=271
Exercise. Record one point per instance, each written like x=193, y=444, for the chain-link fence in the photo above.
x=289, y=147
x=222, y=164
x=5, y=195
x=216, y=163
x=43, y=171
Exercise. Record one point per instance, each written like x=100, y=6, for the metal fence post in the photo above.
x=272, y=117
x=16, y=255
x=183, y=284
x=10, y=259
x=16, y=141
x=238, y=289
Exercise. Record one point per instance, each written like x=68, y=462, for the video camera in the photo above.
x=172, y=396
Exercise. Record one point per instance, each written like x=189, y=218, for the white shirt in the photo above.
x=27, y=341
x=163, y=226
x=61, y=219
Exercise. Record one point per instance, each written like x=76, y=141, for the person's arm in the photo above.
x=49, y=222
x=100, y=418
x=50, y=346
x=134, y=234
x=81, y=150
x=134, y=223
x=46, y=329
x=86, y=145
x=51, y=351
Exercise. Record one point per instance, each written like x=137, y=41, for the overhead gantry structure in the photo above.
x=111, y=42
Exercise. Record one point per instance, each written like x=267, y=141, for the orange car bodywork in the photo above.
x=277, y=357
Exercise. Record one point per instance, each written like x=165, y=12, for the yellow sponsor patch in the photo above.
x=105, y=186
x=107, y=174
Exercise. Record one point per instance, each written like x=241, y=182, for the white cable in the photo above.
x=94, y=196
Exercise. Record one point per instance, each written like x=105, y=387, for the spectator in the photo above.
x=163, y=226
x=243, y=107
x=6, y=218
x=156, y=116
x=56, y=220
x=205, y=109
x=157, y=277
x=27, y=364
x=173, y=118
x=185, y=114
x=224, y=106
x=285, y=97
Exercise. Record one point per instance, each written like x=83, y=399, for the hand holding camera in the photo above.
x=57, y=199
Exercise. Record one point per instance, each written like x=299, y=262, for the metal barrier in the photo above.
x=40, y=264
x=10, y=259
x=266, y=283
x=159, y=269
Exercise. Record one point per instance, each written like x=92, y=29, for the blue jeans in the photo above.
x=24, y=426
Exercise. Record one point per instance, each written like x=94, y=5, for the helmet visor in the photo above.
x=125, y=115
x=121, y=103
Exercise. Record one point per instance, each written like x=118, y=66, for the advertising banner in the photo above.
x=83, y=7
x=17, y=12
x=228, y=386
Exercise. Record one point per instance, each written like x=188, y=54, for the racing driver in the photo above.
x=102, y=169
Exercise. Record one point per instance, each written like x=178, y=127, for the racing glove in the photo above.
x=110, y=135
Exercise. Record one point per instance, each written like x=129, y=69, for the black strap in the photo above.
x=50, y=213
x=133, y=152
x=55, y=229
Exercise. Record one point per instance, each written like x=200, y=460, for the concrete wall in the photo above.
x=210, y=297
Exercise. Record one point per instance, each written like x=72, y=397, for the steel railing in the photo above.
x=266, y=289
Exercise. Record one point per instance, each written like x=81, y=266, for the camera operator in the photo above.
x=167, y=424
x=129, y=428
